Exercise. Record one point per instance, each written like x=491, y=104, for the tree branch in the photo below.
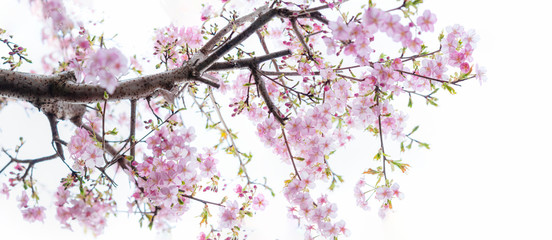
x=132, y=128
x=27, y=161
x=246, y=62
x=48, y=89
x=208, y=47
x=258, y=23
x=264, y=93
x=301, y=39
x=63, y=87
x=263, y=18
x=40, y=89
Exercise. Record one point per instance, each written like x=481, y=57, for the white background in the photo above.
x=486, y=176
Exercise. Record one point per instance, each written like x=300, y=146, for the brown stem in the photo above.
x=246, y=62
x=290, y=155
x=55, y=135
x=132, y=128
x=265, y=48
x=381, y=134
x=27, y=161
x=301, y=39
x=201, y=200
x=208, y=47
x=264, y=93
x=428, y=78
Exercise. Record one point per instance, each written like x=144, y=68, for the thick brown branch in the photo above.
x=258, y=23
x=45, y=90
x=206, y=49
x=264, y=93
x=41, y=89
x=263, y=18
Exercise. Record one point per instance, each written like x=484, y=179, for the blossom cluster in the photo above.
x=382, y=193
x=233, y=212
x=105, y=66
x=89, y=208
x=85, y=151
x=55, y=10
x=319, y=214
x=174, y=45
x=357, y=36
x=30, y=214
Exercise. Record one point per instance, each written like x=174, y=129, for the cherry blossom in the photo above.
x=426, y=21
x=105, y=66
x=259, y=202
x=5, y=190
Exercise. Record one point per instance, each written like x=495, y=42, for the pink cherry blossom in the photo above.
x=331, y=46
x=396, y=192
x=426, y=21
x=465, y=67
x=383, y=193
x=373, y=19
x=304, y=69
x=23, y=200
x=383, y=211
x=55, y=10
x=390, y=24
x=105, y=66
x=340, y=30
x=455, y=31
x=192, y=36
x=480, y=73
x=206, y=12
x=34, y=214
x=5, y=190
x=259, y=202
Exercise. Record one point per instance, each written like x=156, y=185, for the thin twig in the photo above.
x=290, y=155
x=201, y=200
x=302, y=39
x=132, y=128
x=229, y=134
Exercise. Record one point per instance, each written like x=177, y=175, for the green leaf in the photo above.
x=332, y=186
x=414, y=130
x=421, y=144
x=431, y=101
